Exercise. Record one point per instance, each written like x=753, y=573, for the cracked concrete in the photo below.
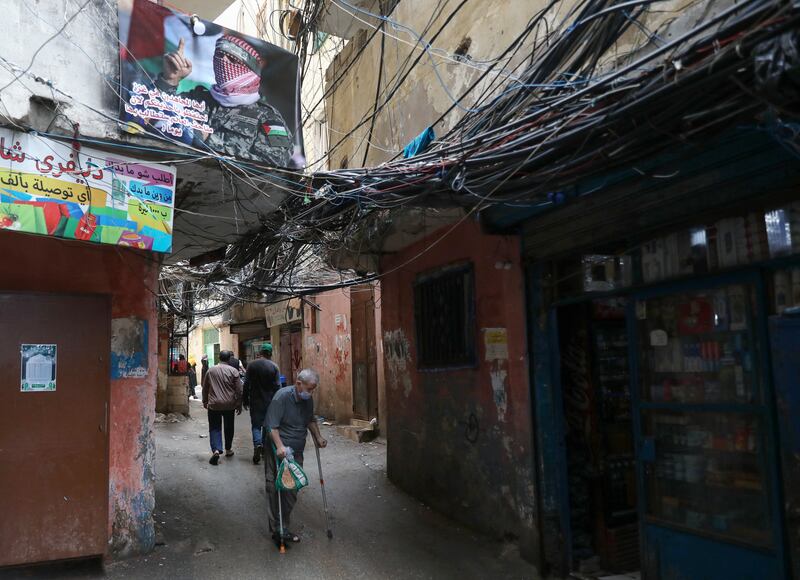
x=211, y=521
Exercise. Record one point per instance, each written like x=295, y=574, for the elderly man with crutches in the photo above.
x=289, y=418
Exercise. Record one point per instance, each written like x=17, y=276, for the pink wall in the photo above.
x=461, y=440
x=128, y=277
x=328, y=351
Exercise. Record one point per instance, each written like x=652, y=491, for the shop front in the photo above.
x=672, y=389
x=665, y=363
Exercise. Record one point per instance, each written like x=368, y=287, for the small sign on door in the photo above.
x=38, y=367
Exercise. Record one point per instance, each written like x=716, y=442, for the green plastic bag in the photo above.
x=291, y=476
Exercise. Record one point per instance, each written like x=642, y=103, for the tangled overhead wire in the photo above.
x=574, y=108
x=568, y=119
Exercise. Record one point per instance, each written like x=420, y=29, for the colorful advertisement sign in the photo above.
x=193, y=82
x=52, y=188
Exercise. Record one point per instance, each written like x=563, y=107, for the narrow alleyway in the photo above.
x=211, y=521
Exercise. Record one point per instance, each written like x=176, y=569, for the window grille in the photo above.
x=444, y=314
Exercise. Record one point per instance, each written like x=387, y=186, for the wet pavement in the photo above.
x=211, y=521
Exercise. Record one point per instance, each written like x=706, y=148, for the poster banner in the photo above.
x=37, y=367
x=196, y=83
x=56, y=189
x=128, y=348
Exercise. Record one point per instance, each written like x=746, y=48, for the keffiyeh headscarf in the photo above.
x=237, y=69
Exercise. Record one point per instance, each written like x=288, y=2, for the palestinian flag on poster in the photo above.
x=275, y=130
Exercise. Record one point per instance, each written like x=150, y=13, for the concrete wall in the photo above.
x=461, y=440
x=489, y=24
x=76, y=62
x=129, y=278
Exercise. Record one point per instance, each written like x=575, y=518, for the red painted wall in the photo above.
x=41, y=264
x=452, y=440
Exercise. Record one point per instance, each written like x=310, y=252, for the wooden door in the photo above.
x=296, y=347
x=365, y=366
x=53, y=427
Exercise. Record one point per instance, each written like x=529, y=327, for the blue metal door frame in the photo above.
x=554, y=528
x=549, y=415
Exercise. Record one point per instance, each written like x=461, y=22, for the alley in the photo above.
x=210, y=521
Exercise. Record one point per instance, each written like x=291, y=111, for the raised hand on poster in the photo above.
x=176, y=66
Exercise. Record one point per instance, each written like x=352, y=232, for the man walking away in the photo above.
x=233, y=362
x=222, y=395
x=289, y=417
x=260, y=385
x=203, y=368
x=192, y=379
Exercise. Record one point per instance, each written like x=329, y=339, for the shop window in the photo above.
x=704, y=440
x=444, y=318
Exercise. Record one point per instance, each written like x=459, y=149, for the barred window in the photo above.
x=444, y=315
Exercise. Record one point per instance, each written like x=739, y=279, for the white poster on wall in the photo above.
x=38, y=367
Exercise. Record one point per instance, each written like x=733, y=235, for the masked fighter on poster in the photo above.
x=245, y=125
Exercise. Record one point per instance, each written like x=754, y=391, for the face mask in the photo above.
x=305, y=395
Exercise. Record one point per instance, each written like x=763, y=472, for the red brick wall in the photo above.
x=451, y=440
x=42, y=264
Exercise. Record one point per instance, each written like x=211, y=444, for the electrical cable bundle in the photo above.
x=574, y=108
x=564, y=120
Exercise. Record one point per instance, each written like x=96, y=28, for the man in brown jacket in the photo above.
x=222, y=395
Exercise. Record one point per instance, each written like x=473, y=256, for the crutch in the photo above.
x=324, y=497
x=281, y=545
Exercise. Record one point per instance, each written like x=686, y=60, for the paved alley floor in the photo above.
x=211, y=521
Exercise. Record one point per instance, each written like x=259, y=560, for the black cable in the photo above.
x=377, y=96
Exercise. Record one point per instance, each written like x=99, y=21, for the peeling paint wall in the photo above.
x=420, y=99
x=79, y=72
x=328, y=351
x=125, y=275
x=461, y=440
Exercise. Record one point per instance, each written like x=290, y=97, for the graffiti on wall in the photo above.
x=398, y=355
x=341, y=355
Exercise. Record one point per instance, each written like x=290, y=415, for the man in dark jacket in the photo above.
x=222, y=395
x=234, y=362
x=261, y=382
